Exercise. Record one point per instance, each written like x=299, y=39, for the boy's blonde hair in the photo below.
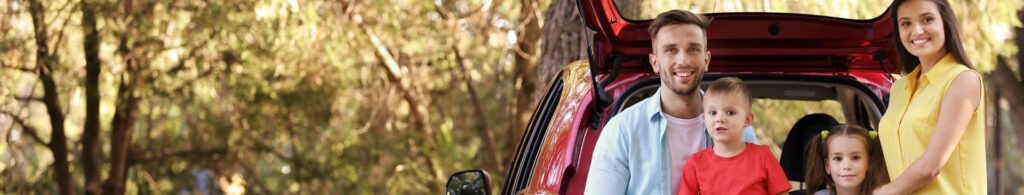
x=731, y=85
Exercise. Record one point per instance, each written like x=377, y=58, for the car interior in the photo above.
x=857, y=107
x=855, y=102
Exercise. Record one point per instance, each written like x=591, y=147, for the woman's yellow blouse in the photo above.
x=908, y=124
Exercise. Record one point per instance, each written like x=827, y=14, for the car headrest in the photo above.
x=793, y=159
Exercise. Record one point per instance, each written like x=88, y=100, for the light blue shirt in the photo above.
x=632, y=157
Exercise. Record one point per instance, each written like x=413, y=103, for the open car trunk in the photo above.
x=756, y=43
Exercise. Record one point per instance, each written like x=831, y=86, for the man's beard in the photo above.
x=681, y=89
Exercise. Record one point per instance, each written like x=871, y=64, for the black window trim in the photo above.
x=521, y=169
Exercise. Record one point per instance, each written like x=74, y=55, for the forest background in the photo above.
x=338, y=96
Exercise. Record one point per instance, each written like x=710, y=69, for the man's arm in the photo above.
x=608, y=171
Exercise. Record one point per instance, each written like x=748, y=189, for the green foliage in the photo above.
x=774, y=118
x=271, y=96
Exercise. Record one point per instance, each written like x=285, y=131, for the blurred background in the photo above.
x=345, y=96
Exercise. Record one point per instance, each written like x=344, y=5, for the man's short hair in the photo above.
x=731, y=85
x=676, y=16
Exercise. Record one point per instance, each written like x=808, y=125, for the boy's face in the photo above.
x=725, y=115
x=847, y=161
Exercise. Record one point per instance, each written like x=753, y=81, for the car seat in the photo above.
x=793, y=159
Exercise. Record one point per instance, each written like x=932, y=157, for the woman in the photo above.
x=933, y=132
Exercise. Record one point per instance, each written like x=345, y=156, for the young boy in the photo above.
x=731, y=166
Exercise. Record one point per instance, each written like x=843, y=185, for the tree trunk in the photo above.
x=1019, y=40
x=525, y=73
x=1013, y=84
x=91, y=131
x=410, y=93
x=123, y=122
x=563, y=41
x=1003, y=84
x=493, y=155
x=58, y=141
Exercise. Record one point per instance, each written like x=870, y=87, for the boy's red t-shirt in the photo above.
x=754, y=171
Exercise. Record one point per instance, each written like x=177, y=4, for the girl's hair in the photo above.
x=908, y=62
x=817, y=154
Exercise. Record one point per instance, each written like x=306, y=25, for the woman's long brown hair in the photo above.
x=817, y=154
x=908, y=62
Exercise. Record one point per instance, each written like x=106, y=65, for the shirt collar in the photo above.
x=654, y=108
x=944, y=65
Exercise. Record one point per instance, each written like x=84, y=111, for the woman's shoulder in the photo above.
x=966, y=79
x=959, y=71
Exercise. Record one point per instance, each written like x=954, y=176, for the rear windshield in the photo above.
x=849, y=9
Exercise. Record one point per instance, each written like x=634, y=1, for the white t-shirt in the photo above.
x=685, y=137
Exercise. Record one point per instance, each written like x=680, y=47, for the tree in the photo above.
x=1005, y=89
x=527, y=54
x=90, y=136
x=562, y=41
x=44, y=68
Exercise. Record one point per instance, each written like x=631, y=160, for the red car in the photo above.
x=781, y=56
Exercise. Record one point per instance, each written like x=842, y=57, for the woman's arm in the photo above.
x=958, y=104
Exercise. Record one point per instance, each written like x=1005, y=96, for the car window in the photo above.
x=850, y=9
x=773, y=118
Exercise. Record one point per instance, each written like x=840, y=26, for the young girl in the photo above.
x=845, y=160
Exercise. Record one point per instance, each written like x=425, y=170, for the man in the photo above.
x=642, y=149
